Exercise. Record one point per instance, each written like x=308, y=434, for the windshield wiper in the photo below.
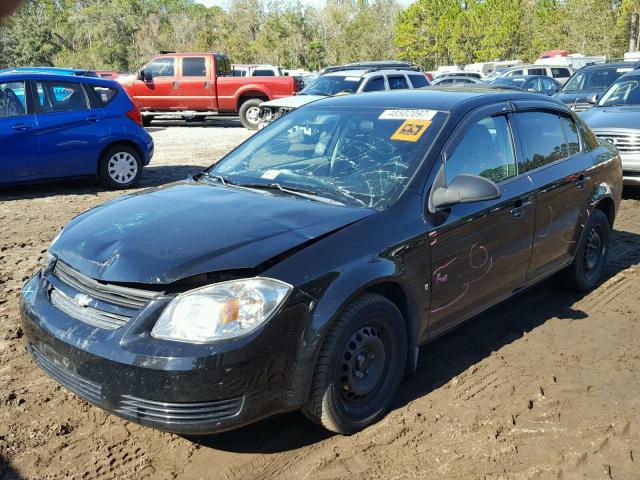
x=300, y=192
x=223, y=180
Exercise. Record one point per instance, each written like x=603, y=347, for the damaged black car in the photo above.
x=304, y=269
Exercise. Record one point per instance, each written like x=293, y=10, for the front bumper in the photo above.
x=177, y=387
x=630, y=168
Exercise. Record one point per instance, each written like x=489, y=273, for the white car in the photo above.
x=560, y=73
x=344, y=80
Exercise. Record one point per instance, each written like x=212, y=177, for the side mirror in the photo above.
x=593, y=99
x=140, y=75
x=465, y=189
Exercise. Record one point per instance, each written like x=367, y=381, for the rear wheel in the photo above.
x=586, y=270
x=250, y=113
x=120, y=167
x=192, y=118
x=360, y=366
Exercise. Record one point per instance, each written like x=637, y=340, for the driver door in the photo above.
x=480, y=251
x=159, y=89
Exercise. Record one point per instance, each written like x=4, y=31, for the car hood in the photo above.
x=577, y=96
x=613, y=117
x=292, y=102
x=169, y=233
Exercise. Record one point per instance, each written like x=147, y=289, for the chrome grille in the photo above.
x=98, y=304
x=627, y=142
x=114, y=294
x=580, y=106
x=92, y=316
x=182, y=413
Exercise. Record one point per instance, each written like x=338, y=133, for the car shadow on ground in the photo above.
x=7, y=472
x=153, y=176
x=443, y=359
x=210, y=122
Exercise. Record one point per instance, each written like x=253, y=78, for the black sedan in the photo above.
x=304, y=270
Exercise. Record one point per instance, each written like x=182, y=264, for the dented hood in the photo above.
x=163, y=235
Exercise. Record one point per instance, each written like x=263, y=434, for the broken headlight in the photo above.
x=221, y=311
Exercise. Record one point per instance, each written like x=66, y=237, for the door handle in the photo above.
x=207, y=84
x=21, y=127
x=581, y=181
x=175, y=85
x=94, y=118
x=516, y=211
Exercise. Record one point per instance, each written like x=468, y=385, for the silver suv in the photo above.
x=347, y=79
x=560, y=73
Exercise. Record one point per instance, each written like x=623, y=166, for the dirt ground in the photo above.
x=546, y=386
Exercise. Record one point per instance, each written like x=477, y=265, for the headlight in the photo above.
x=48, y=257
x=221, y=311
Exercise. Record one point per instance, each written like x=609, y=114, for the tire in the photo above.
x=248, y=113
x=194, y=118
x=585, y=271
x=146, y=120
x=120, y=167
x=360, y=366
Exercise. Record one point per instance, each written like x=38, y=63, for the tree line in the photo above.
x=124, y=34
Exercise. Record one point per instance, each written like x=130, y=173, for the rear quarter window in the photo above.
x=397, y=82
x=103, y=96
x=418, y=81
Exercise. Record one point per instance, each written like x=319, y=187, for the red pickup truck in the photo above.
x=198, y=84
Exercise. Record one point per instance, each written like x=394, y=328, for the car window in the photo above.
x=194, y=67
x=374, y=84
x=537, y=71
x=560, y=73
x=56, y=97
x=547, y=83
x=239, y=73
x=104, y=95
x=543, y=139
x=358, y=156
x=418, y=81
x=161, y=67
x=535, y=84
x=397, y=82
x=12, y=99
x=514, y=73
x=261, y=72
x=571, y=135
x=486, y=150
x=624, y=92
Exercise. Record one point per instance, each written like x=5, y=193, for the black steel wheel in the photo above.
x=360, y=367
x=586, y=270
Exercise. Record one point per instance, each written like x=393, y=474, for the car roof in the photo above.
x=597, y=66
x=435, y=98
x=29, y=75
x=524, y=77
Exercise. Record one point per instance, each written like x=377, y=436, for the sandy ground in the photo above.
x=546, y=386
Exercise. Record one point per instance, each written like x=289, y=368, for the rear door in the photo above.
x=18, y=154
x=160, y=89
x=68, y=131
x=554, y=159
x=196, y=88
x=480, y=251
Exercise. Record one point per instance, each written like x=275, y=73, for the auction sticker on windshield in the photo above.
x=411, y=130
x=408, y=114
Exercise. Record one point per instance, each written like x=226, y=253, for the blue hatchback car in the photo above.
x=54, y=126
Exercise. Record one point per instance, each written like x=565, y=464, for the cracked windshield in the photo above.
x=359, y=157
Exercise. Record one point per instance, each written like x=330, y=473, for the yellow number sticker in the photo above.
x=411, y=130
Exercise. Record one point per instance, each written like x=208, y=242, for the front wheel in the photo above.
x=120, y=167
x=360, y=366
x=192, y=118
x=250, y=113
x=586, y=270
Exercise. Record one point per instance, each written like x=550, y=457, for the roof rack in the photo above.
x=167, y=52
x=372, y=66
